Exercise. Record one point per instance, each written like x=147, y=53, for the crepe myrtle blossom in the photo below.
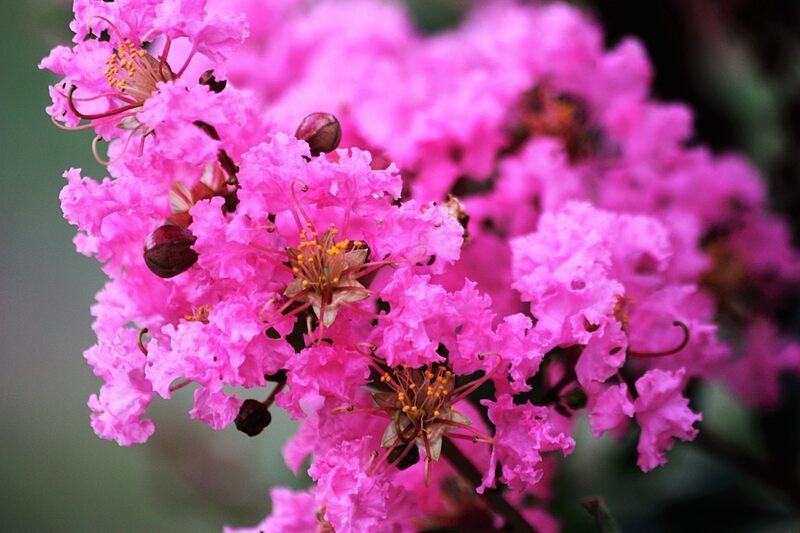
x=121, y=59
x=512, y=233
x=415, y=405
x=261, y=269
x=597, y=284
x=292, y=512
x=373, y=462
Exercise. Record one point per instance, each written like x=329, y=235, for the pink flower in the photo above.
x=113, y=217
x=664, y=414
x=523, y=347
x=564, y=271
x=292, y=512
x=423, y=316
x=117, y=411
x=766, y=355
x=320, y=372
x=610, y=410
x=353, y=500
x=522, y=434
x=108, y=81
x=212, y=35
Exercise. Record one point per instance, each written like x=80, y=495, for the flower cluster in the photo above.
x=514, y=234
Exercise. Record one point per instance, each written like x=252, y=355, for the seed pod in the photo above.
x=215, y=85
x=321, y=131
x=253, y=417
x=168, y=251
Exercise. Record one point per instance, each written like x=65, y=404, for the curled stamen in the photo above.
x=109, y=94
x=304, y=188
x=96, y=154
x=140, y=340
x=122, y=152
x=290, y=314
x=96, y=116
x=678, y=348
x=148, y=34
x=61, y=126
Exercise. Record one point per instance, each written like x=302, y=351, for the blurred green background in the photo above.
x=58, y=476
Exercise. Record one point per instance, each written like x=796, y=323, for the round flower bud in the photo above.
x=321, y=131
x=253, y=417
x=168, y=251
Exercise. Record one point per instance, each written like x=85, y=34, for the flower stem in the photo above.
x=493, y=497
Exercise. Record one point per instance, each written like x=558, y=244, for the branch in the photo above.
x=493, y=497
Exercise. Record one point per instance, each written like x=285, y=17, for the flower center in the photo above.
x=326, y=272
x=545, y=112
x=320, y=264
x=420, y=397
x=134, y=72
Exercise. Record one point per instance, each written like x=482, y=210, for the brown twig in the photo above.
x=493, y=497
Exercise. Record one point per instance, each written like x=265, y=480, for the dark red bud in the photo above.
x=168, y=251
x=321, y=131
x=216, y=86
x=253, y=417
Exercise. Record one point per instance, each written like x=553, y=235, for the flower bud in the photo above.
x=168, y=251
x=253, y=417
x=215, y=85
x=321, y=131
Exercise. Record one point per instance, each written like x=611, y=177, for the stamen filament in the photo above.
x=97, y=116
x=180, y=385
x=61, y=126
x=140, y=340
x=673, y=351
x=189, y=58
